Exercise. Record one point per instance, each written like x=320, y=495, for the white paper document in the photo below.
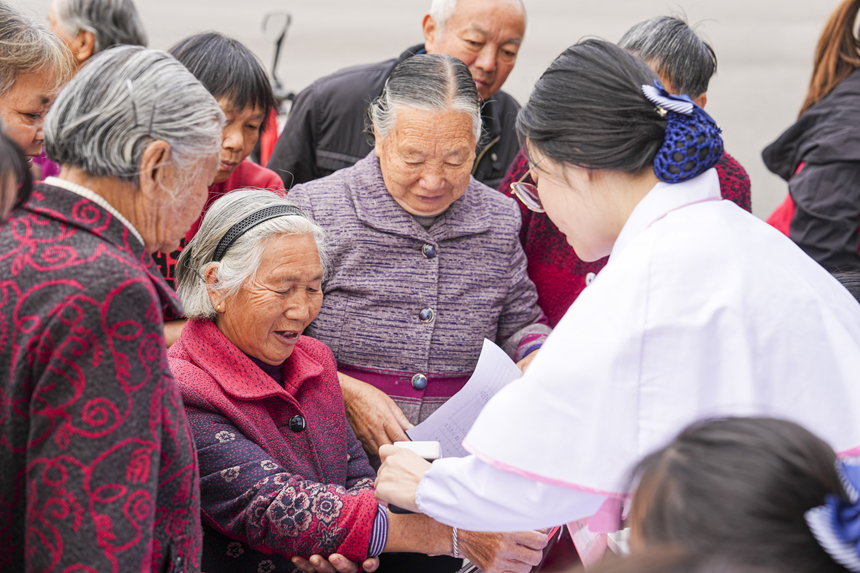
x=452, y=421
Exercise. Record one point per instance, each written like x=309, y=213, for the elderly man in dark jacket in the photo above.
x=326, y=128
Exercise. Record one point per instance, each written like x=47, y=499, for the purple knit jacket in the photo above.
x=389, y=275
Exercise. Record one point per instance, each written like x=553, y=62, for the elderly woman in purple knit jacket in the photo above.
x=283, y=477
x=426, y=260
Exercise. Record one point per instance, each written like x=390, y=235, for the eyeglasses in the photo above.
x=528, y=193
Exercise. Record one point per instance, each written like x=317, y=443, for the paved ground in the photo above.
x=765, y=49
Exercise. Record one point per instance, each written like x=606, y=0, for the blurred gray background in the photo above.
x=765, y=49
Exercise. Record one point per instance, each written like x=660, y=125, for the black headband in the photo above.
x=249, y=222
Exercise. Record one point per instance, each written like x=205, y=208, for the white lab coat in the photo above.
x=702, y=310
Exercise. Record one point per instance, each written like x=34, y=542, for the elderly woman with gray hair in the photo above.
x=97, y=466
x=284, y=481
x=34, y=65
x=426, y=261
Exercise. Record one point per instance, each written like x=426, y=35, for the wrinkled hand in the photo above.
x=398, y=477
x=337, y=563
x=524, y=363
x=497, y=552
x=374, y=417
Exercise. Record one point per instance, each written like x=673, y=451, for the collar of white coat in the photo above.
x=662, y=200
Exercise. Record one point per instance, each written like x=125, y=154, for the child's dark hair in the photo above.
x=741, y=483
x=588, y=110
x=671, y=560
x=14, y=166
x=227, y=69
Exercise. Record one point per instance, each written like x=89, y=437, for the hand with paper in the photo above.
x=399, y=476
x=452, y=421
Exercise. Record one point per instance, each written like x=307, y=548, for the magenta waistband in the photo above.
x=399, y=384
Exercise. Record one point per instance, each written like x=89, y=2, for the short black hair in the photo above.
x=588, y=110
x=675, y=51
x=227, y=69
x=13, y=163
x=742, y=483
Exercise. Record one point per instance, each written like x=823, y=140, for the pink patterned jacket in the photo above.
x=272, y=488
x=97, y=466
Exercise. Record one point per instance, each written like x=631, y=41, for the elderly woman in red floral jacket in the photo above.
x=283, y=476
x=97, y=464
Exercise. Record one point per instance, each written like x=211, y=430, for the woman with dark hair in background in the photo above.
x=819, y=155
x=685, y=64
x=702, y=310
x=237, y=80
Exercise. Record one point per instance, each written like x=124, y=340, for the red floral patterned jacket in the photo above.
x=97, y=466
x=269, y=492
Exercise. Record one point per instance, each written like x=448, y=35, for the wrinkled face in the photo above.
x=484, y=34
x=178, y=204
x=266, y=317
x=427, y=159
x=23, y=110
x=240, y=136
x=578, y=205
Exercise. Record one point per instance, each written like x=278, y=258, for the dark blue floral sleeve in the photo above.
x=250, y=498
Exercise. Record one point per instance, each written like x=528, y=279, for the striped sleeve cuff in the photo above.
x=379, y=536
x=529, y=344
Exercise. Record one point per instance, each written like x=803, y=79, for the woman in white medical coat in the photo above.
x=702, y=310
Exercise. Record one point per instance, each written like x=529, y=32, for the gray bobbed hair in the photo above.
x=242, y=260
x=124, y=99
x=112, y=22
x=429, y=82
